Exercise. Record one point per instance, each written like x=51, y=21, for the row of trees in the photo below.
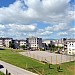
x=55, y=48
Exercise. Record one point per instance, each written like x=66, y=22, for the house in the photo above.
x=34, y=43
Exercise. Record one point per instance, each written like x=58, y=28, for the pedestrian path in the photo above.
x=15, y=70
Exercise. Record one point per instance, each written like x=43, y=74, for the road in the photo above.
x=15, y=70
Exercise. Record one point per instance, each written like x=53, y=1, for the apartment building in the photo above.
x=4, y=42
x=22, y=42
x=71, y=46
x=34, y=43
x=1, y=42
x=18, y=43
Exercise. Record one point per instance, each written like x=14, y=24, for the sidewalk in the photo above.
x=15, y=70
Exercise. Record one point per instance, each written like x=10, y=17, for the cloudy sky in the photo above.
x=49, y=19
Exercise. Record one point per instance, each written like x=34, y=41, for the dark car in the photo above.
x=1, y=66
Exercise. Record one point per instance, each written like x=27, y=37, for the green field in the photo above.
x=12, y=57
x=2, y=73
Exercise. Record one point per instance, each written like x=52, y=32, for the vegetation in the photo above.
x=11, y=45
x=2, y=73
x=54, y=48
x=33, y=65
x=23, y=47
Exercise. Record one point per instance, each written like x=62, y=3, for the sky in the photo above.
x=48, y=19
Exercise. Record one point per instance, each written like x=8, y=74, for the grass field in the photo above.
x=30, y=64
x=2, y=73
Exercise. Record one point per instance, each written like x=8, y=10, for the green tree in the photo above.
x=23, y=47
x=11, y=45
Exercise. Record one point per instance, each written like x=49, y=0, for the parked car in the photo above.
x=1, y=66
x=2, y=69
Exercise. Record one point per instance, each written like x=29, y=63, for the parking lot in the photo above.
x=51, y=58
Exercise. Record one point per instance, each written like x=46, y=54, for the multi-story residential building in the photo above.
x=34, y=43
x=1, y=42
x=7, y=41
x=23, y=42
x=71, y=46
x=4, y=42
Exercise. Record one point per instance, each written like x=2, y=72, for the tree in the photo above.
x=23, y=47
x=51, y=47
x=11, y=45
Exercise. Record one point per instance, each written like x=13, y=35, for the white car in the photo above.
x=2, y=69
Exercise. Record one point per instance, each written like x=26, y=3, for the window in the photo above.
x=73, y=49
x=69, y=49
x=69, y=44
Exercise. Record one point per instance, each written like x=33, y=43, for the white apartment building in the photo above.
x=4, y=42
x=7, y=41
x=71, y=46
x=34, y=43
x=22, y=42
x=1, y=43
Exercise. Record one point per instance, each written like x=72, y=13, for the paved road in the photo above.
x=49, y=57
x=16, y=70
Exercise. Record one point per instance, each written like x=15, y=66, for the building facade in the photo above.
x=71, y=46
x=22, y=42
x=34, y=43
x=18, y=43
x=4, y=42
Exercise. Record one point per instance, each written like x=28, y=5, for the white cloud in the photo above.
x=24, y=28
x=72, y=29
x=45, y=11
x=2, y=27
x=19, y=17
x=62, y=33
x=46, y=33
x=16, y=31
x=60, y=26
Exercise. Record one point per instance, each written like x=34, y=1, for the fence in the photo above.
x=52, y=59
